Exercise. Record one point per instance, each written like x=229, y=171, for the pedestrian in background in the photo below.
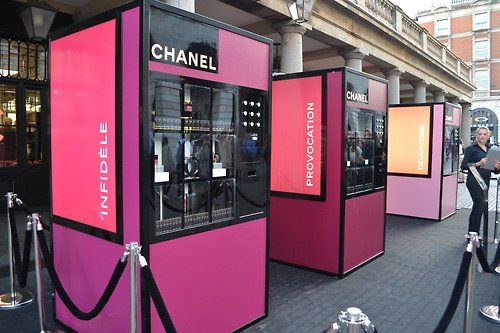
x=475, y=155
x=461, y=177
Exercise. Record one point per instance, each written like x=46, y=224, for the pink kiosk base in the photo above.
x=211, y=277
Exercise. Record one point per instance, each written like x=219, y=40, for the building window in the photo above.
x=442, y=27
x=33, y=126
x=481, y=49
x=23, y=60
x=482, y=79
x=481, y=20
x=8, y=126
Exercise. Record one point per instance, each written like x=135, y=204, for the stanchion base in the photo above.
x=490, y=312
x=22, y=298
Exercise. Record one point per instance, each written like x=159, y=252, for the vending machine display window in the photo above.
x=450, y=150
x=196, y=139
x=364, y=150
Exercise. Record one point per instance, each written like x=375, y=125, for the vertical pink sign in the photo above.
x=83, y=128
x=296, y=145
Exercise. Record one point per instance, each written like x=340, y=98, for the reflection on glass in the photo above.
x=223, y=146
x=33, y=129
x=8, y=128
x=223, y=200
x=169, y=203
x=194, y=155
x=196, y=108
x=450, y=150
x=197, y=156
x=196, y=204
x=364, y=150
x=223, y=111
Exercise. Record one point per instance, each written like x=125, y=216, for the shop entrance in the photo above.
x=23, y=141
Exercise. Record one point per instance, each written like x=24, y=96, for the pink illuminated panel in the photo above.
x=296, y=145
x=83, y=126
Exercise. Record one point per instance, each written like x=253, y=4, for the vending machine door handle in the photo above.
x=252, y=173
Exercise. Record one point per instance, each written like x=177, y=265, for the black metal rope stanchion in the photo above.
x=457, y=291
x=108, y=291
x=21, y=264
x=14, y=299
x=36, y=225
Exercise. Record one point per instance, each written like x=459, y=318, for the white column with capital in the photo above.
x=419, y=91
x=393, y=75
x=187, y=5
x=465, y=124
x=439, y=96
x=291, y=46
x=353, y=58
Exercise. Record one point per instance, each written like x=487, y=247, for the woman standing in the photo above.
x=476, y=154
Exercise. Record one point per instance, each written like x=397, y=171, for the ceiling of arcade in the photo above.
x=336, y=24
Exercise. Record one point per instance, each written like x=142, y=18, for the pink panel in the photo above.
x=297, y=110
x=242, y=61
x=83, y=126
x=305, y=232
x=364, y=229
x=377, y=92
x=415, y=196
x=213, y=281
x=84, y=264
x=449, y=197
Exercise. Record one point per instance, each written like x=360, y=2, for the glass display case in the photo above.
x=208, y=150
x=450, y=149
x=364, y=150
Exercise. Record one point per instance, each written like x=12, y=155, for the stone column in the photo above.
x=187, y=5
x=419, y=91
x=465, y=124
x=353, y=58
x=393, y=75
x=439, y=96
x=291, y=46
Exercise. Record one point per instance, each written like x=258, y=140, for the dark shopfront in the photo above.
x=24, y=107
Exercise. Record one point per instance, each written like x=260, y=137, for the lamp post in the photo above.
x=38, y=17
x=300, y=10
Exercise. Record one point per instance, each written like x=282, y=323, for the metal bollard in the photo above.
x=36, y=225
x=13, y=300
x=135, y=251
x=353, y=320
x=474, y=242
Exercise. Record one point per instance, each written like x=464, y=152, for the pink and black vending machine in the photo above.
x=328, y=170
x=160, y=135
x=423, y=144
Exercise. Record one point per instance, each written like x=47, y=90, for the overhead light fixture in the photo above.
x=38, y=17
x=300, y=10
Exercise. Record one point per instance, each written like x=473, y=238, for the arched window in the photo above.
x=484, y=117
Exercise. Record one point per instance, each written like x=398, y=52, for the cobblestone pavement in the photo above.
x=464, y=200
x=405, y=290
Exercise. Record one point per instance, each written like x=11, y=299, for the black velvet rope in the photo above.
x=483, y=261
x=110, y=288
x=455, y=295
x=21, y=264
x=24, y=208
x=157, y=299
